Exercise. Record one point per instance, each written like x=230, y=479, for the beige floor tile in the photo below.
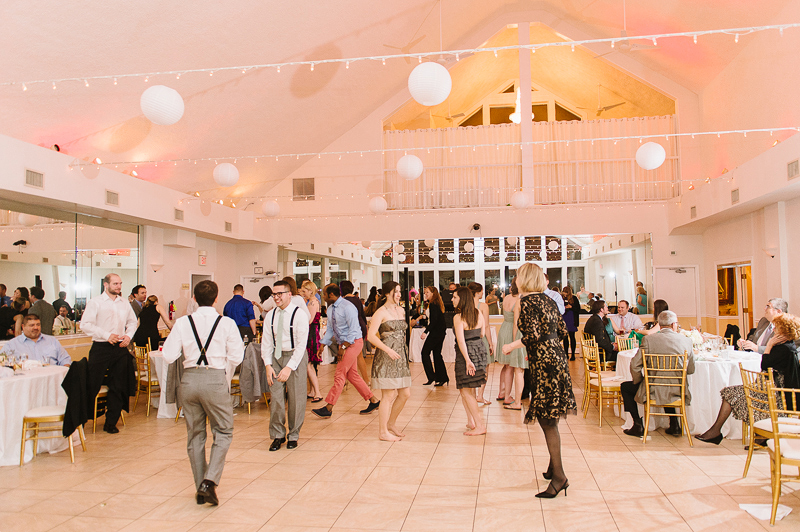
x=378, y=492
x=636, y=483
x=271, y=489
x=558, y=521
x=142, y=525
x=450, y=496
x=489, y=519
x=341, y=473
x=399, y=475
x=385, y=516
x=513, y=462
x=82, y=523
x=282, y=528
x=183, y=509
x=428, y=518
x=650, y=522
x=451, y=477
x=125, y=506
x=243, y=511
x=301, y=513
x=636, y=503
x=346, y=458
x=30, y=522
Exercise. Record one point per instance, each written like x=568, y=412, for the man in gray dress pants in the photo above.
x=283, y=348
x=211, y=344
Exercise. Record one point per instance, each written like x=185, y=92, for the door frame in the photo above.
x=737, y=264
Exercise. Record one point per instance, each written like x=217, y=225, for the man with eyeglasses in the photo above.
x=283, y=348
x=757, y=341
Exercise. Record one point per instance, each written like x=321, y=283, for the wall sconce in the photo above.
x=155, y=267
x=771, y=251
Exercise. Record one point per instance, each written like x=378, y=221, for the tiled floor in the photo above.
x=342, y=477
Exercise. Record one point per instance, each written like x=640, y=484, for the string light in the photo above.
x=694, y=38
x=572, y=44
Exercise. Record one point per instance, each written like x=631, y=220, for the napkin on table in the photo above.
x=31, y=364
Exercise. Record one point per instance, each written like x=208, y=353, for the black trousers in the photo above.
x=570, y=341
x=111, y=365
x=628, y=391
x=246, y=331
x=436, y=371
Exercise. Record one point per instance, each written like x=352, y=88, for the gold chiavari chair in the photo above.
x=728, y=340
x=146, y=379
x=48, y=415
x=756, y=386
x=624, y=344
x=100, y=406
x=784, y=447
x=608, y=392
x=665, y=371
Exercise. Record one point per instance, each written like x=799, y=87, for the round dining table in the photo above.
x=712, y=373
x=20, y=393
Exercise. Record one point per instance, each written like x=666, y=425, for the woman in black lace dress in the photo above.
x=551, y=386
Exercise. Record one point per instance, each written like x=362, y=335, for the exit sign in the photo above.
x=202, y=260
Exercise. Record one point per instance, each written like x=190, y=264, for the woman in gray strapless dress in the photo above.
x=390, y=372
x=471, y=357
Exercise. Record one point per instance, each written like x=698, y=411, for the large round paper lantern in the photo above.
x=432, y=254
x=650, y=155
x=430, y=242
x=519, y=200
x=429, y=84
x=399, y=248
x=28, y=220
x=161, y=105
x=552, y=245
x=469, y=247
x=488, y=252
x=401, y=258
x=366, y=243
x=451, y=256
x=270, y=208
x=226, y=175
x=378, y=204
x=378, y=254
x=512, y=240
x=409, y=167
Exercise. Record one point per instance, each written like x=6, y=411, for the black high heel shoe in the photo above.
x=548, y=495
x=428, y=383
x=548, y=474
x=716, y=440
x=442, y=383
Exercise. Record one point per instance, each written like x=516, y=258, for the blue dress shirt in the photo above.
x=45, y=349
x=240, y=310
x=342, y=323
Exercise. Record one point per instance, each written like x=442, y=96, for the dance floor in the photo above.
x=341, y=477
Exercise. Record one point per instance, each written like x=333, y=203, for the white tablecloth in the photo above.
x=20, y=393
x=448, y=348
x=709, y=377
x=166, y=410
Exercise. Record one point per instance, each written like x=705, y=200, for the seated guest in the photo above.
x=36, y=345
x=757, y=341
x=11, y=319
x=652, y=327
x=780, y=354
x=62, y=302
x=5, y=300
x=63, y=322
x=625, y=320
x=668, y=341
x=596, y=326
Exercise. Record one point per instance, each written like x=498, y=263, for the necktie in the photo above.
x=279, y=332
x=767, y=335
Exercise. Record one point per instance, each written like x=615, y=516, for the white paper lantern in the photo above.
x=399, y=248
x=519, y=200
x=429, y=83
x=409, y=167
x=468, y=246
x=28, y=220
x=270, y=208
x=430, y=242
x=512, y=240
x=552, y=245
x=401, y=258
x=378, y=254
x=226, y=175
x=488, y=252
x=366, y=243
x=161, y=105
x=650, y=155
x=378, y=204
x=432, y=254
x=451, y=256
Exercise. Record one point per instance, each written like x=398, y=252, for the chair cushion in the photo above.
x=46, y=411
x=606, y=386
x=790, y=448
x=766, y=424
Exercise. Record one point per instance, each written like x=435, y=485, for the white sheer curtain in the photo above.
x=574, y=172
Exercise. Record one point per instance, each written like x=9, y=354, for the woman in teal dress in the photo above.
x=516, y=362
x=641, y=300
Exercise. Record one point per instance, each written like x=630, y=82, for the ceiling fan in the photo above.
x=415, y=41
x=625, y=45
x=602, y=108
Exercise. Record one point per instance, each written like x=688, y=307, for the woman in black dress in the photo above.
x=147, y=331
x=434, y=335
x=551, y=386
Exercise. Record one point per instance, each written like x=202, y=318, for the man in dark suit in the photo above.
x=62, y=302
x=667, y=341
x=137, y=298
x=595, y=326
x=764, y=331
x=43, y=309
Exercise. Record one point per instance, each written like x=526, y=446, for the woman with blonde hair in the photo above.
x=471, y=356
x=551, y=385
x=308, y=290
x=780, y=355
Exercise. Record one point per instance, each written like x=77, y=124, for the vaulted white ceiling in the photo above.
x=296, y=110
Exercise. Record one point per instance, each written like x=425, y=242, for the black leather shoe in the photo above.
x=199, y=498
x=370, y=408
x=208, y=492
x=276, y=444
x=637, y=431
x=291, y=444
x=322, y=412
x=111, y=430
x=716, y=440
x=674, y=430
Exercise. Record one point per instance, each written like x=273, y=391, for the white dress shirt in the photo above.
x=301, y=304
x=630, y=322
x=555, y=296
x=105, y=316
x=266, y=306
x=226, y=349
x=300, y=327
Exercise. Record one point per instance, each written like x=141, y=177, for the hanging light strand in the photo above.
x=416, y=55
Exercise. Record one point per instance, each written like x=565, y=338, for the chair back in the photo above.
x=786, y=416
x=592, y=363
x=756, y=386
x=142, y=355
x=664, y=371
x=624, y=344
x=587, y=338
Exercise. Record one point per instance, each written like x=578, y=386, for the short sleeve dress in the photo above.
x=542, y=333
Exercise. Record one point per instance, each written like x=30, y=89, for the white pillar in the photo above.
x=526, y=126
x=783, y=250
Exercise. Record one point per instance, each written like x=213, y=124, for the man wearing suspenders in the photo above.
x=210, y=345
x=283, y=348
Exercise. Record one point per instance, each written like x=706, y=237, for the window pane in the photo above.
x=445, y=278
x=491, y=280
x=386, y=276
x=553, y=248
x=425, y=279
x=500, y=115
x=445, y=249
x=555, y=278
x=423, y=253
x=575, y=278
x=475, y=119
x=512, y=251
x=465, y=277
x=494, y=245
x=408, y=252
x=573, y=250
x=533, y=248
x=539, y=111
x=463, y=254
x=386, y=257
